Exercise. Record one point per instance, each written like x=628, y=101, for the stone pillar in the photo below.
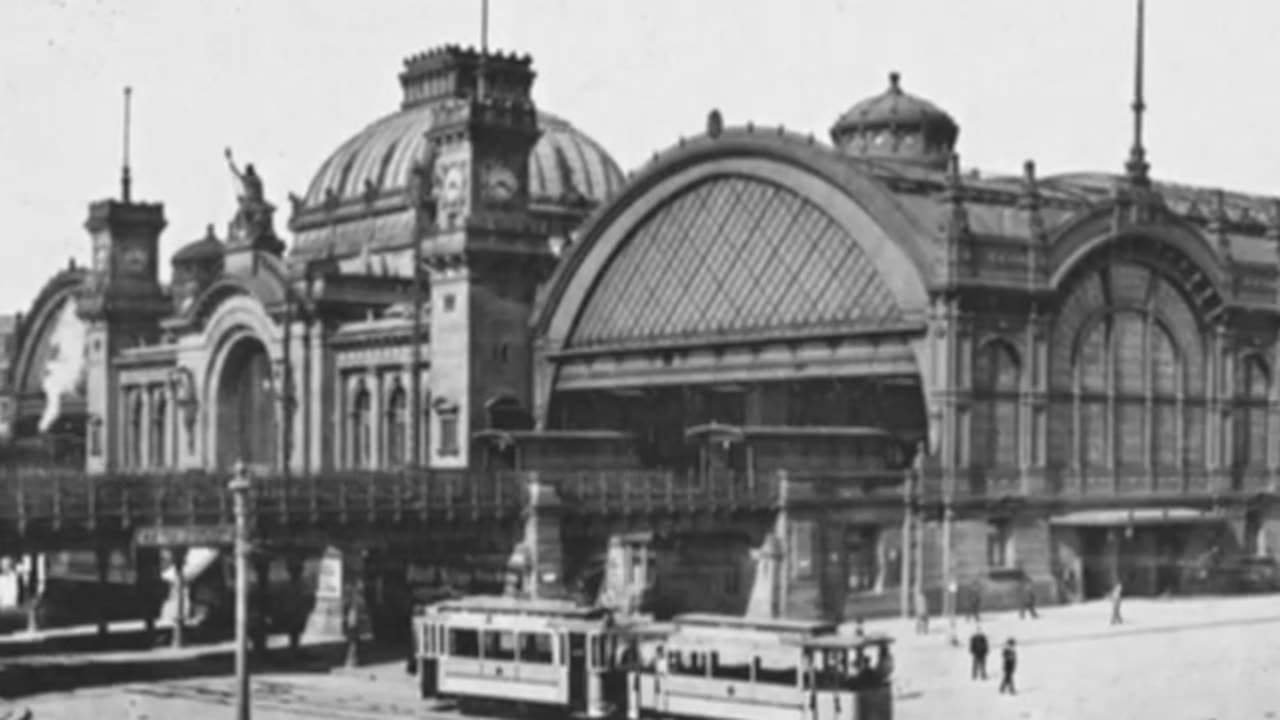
x=294, y=566
x=770, y=590
x=103, y=558
x=340, y=610
x=767, y=599
x=260, y=613
x=542, y=537
x=34, y=590
x=147, y=586
x=178, y=561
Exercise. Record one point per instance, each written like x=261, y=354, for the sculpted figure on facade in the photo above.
x=253, y=220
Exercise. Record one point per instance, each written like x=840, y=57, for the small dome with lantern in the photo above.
x=899, y=127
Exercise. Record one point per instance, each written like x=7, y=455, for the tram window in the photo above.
x=723, y=670
x=464, y=643
x=499, y=645
x=687, y=663
x=776, y=674
x=536, y=648
x=597, y=651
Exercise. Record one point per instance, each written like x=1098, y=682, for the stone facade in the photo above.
x=956, y=381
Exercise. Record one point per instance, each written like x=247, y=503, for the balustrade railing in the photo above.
x=661, y=491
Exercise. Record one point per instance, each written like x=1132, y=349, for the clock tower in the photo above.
x=121, y=302
x=485, y=254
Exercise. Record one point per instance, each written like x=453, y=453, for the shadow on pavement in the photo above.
x=75, y=663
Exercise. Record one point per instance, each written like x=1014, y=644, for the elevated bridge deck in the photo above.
x=42, y=509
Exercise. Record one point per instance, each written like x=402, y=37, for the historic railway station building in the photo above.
x=1078, y=367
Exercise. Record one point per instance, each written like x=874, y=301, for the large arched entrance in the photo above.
x=246, y=415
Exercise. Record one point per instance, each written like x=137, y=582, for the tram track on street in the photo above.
x=309, y=700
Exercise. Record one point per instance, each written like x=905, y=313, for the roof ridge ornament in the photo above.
x=1137, y=168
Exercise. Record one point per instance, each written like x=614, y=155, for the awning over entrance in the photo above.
x=1137, y=516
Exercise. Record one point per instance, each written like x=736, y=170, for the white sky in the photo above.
x=284, y=82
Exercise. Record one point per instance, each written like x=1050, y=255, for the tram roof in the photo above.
x=742, y=432
x=769, y=625
x=844, y=642
x=497, y=604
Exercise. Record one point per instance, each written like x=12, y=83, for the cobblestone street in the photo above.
x=1177, y=659
x=1184, y=659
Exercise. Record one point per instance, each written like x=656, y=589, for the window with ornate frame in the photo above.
x=137, y=407
x=1128, y=378
x=1253, y=388
x=449, y=433
x=397, y=426
x=159, y=417
x=999, y=545
x=997, y=374
x=361, y=427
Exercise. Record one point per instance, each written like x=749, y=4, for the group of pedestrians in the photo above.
x=979, y=648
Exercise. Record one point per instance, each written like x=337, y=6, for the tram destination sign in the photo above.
x=184, y=535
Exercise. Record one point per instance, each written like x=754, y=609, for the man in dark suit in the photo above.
x=1010, y=657
x=978, y=649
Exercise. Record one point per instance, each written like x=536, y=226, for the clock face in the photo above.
x=134, y=260
x=499, y=182
x=453, y=184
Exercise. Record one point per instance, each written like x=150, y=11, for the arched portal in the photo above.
x=246, y=415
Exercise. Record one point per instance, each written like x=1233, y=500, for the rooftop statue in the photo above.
x=248, y=184
x=252, y=225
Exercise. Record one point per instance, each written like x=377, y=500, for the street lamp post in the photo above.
x=239, y=487
x=948, y=518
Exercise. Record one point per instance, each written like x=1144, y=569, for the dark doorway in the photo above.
x=1096, y=580
x=246, y=407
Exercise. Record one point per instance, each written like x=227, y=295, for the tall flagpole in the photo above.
x=484, y=49
x=1137, y=167
x=126, y=178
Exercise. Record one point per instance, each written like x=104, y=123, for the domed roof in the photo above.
x=897, y=126
x=205, y=249
x=565, y=164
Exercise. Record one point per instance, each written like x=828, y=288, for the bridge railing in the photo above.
x=60, y=499
x=639, y=491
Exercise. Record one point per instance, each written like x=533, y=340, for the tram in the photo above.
x=715, y=667
x=557, y=657
x=525, y=655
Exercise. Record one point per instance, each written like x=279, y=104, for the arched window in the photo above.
x=996, y=380
x=397, y=426
x=133, y=452
x=159, y=417
x=1127, y=383
x=1253, y=386
x=361, y=431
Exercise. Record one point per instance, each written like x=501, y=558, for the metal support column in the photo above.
x=239, y=487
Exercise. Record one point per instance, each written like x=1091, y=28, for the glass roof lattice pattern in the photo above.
x=733, y=257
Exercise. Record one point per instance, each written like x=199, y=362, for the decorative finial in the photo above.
x=1137, y=166
x=126, y=178
x=715, y=123
x=209, y=232
x=895, y=82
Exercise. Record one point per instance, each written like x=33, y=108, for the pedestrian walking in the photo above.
x=973, y=611
x=922, y=614
x=1028, y=606
x=978, y=649
x=1117, y=594
x=1010, y=657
